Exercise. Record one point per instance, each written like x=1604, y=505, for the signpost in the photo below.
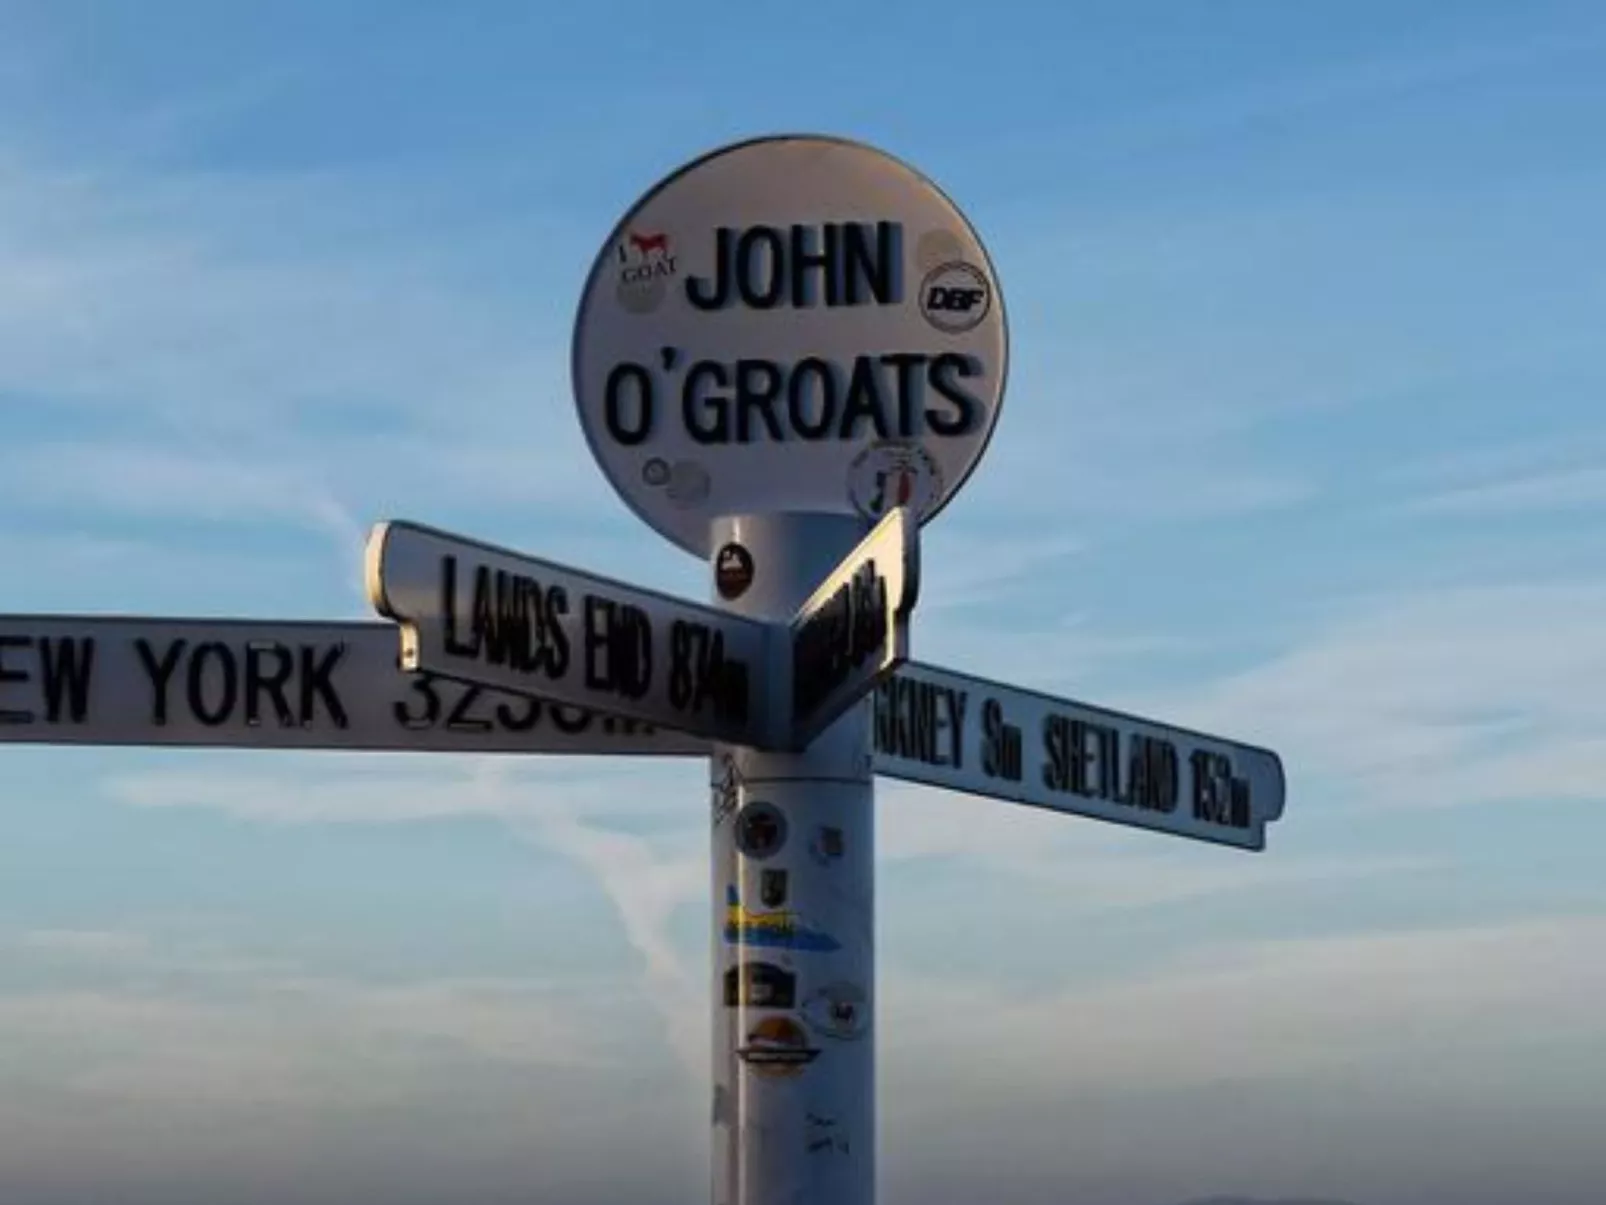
x=777, y=345
x=785, y=344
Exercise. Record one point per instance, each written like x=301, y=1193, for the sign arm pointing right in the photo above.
x=967, y=734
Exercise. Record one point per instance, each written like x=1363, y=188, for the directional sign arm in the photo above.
x=945, y=729
x=854, y=629
x=495, y=618
x=272, y=684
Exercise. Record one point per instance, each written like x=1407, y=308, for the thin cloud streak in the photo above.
x=1470, y=695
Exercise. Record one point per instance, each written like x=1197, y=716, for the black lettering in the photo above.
x=884, y=726
x=519, y=721
x=906, y=364
x=954, y=298
x=1056, y=753
x=462, y=717
x=318, y=684
x=627, y=403
x=698, y=290
x=682, y=636
x=598, y=616
x=1108, y=760
x=259, y=681
x=906, y=720
x=838, y=638
x=956, y=702
x=878, y=268
x=618, y=644
x=635, y=637
x=1199, y=774
x=761, y=285
x=516, y=623
x=701, y=675
x=1136, y=792
x=1238, y=804
x=1001, y=743
x=758, y=387
x=814, y=399
x=1080, y=763
x=808, y=426
x=574, y=720
x=940, y=373
x=1219, y=796
x=557, y=650
x=518, y=620
x=921, y=721
x=216, y=712
x=811, y=255
x=13, y=676
x=422, y=685
x=455, y=647
x=851, y=263
x=698, y=409
x=1167, y=777
x=160, y=672
x=64, y=669
x=864, y=401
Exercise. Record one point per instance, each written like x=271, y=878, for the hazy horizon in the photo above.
x=1304, y=444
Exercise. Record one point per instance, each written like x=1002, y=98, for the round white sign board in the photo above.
x=789, y=324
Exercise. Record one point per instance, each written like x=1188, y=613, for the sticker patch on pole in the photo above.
x=789, y=324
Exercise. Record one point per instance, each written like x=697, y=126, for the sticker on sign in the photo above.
x=950, y=730
x=491, y=617
x=257, y=684
x=854, y=629
x=792, y=323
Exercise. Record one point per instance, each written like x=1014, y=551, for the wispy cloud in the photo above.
x=1465, y=695
x=583, y=813
x=648, y=879
x=160, y=1019
x=1276, y=1010
x=1581, y=489
x=1115, y=869
x=192, y=295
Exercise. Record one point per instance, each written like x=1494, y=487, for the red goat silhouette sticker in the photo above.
x=646, y=244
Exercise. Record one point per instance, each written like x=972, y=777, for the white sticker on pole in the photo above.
x=789, y=324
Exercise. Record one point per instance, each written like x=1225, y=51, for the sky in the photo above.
x=1304, y=444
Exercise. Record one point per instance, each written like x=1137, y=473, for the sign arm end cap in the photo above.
x=374, y=570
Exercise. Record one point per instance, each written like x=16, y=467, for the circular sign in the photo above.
x=793, y=323
x=760, y=830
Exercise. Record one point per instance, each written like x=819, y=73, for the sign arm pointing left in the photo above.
x=491, y=617
x=194, y=682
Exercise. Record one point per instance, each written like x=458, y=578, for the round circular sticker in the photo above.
x=793, y=323
x=733, y=571
x=838, y=1010
x=760, y=830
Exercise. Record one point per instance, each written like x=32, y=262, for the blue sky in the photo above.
x=1304, y=444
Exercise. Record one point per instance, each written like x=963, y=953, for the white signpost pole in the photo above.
x=793, y=880
x=806, y=333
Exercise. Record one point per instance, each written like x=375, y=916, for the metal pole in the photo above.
x=793, y=876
